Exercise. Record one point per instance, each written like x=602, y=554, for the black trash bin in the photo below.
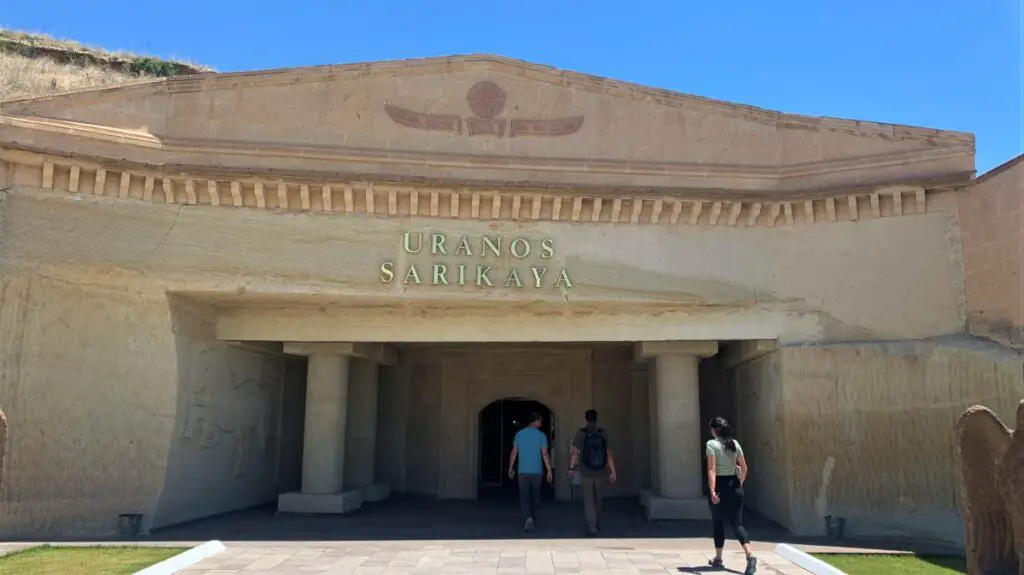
x=834, y=527
x=128, y=524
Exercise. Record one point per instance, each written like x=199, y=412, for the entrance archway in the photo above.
x=498, y=423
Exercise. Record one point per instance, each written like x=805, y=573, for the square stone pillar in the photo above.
x=676, y=420
x=326, y=425
x=323, y=455
x=360, y=469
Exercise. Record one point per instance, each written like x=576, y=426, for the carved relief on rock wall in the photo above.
x=486, y=101
x=231, y=401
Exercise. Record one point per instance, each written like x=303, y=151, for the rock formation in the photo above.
x=992, y=490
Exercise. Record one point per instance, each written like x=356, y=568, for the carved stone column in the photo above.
x=323, y=456
x=678, y=427
x=326, y=425
x=360, y=469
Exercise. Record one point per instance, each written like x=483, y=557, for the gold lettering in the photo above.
x=481, y=275
x=412, y=276
x=493, y=244
x=387, y=272
x=513, y=276
x=524, y=244
x=563, y=278
x=547, y=248
x=419, y=243
x=463, y=249
x=440, y=273
x=490, y=245
x=437, y=244
x=537, y=276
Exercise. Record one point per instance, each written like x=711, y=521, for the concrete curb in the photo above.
x=805, y=561
x=184, y=559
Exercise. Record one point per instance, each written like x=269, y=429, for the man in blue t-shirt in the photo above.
x=531, y=446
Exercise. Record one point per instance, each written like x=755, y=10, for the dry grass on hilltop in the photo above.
x=22, y=77
x=33, y=65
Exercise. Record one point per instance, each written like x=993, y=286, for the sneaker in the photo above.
x=716, y=563
x=528, y=528
x=591, y=532
x=751, y=566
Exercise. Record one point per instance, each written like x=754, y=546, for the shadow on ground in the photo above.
x=405, y=518
x=412, y=518
x=415, y=518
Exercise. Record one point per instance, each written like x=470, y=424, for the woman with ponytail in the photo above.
x=727, y=470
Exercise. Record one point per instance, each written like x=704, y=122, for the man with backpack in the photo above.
x=592, y=457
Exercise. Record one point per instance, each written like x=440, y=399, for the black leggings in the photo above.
x=729, y=509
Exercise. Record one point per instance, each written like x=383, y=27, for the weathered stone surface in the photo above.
x=991, y=477
x=856, y=431
x=991, y=216
x=3, y=445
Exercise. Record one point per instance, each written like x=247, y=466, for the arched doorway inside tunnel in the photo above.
x=499, y=422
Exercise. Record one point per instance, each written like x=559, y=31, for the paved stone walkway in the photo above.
x=425, y=536
x=514, y=557
x=415, y=536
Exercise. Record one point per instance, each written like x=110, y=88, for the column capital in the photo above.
x=381, y=353
x=649, y=349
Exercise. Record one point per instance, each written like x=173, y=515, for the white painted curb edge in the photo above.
x=805, y=561
x=184, y=559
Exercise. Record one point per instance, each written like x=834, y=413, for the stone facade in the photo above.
x=993, y=233
x=305, y=284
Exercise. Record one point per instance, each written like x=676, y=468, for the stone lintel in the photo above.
x=741, y=352
x=269, y=347
x=380, y=353
x=649, y=349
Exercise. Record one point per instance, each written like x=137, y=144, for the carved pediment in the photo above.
x=475, y=119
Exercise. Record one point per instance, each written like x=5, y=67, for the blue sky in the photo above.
x=947, y=64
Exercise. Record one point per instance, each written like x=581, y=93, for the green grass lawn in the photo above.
x=894, y=564
x=75, y=560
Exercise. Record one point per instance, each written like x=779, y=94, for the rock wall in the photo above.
x=125, y=403
x=293, y=425
x=3, y=445
x=226, y=449
x=394, y=411
x=613, y=399
x=89, y=379
x=863, y=431
x=760, y=425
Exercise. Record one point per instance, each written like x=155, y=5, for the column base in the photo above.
x=298, y=502
x=646, y=494
x=659, y=507
x=376, y=492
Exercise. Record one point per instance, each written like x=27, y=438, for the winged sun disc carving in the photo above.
x=486, y=101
